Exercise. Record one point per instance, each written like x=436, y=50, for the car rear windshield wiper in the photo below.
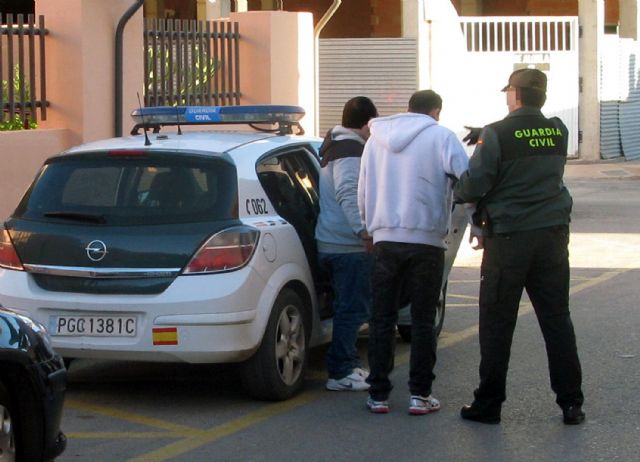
x=77, y=216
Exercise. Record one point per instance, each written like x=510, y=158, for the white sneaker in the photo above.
x=377, y=407
x=352, y=382
x=420, y=405
x=361, y=372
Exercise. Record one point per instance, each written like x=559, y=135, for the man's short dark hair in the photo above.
x=531, y=97
x=358, y=111
x=425, y=101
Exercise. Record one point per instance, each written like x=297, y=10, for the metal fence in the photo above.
x=191, y=63
x=23, y=98
x=519, y=34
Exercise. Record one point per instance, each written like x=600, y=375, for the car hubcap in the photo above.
x=7, y=447
x=290, y=345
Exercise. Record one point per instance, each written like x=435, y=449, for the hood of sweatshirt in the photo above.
x=339, y=133
x=340, y=142
x=397, y=131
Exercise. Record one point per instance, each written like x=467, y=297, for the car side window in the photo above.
x=290, y=179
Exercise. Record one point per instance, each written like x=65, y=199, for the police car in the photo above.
x=178, y=245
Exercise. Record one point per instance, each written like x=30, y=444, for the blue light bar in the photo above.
x=197, y=115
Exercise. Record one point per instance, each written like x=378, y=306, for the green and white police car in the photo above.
x=181, y=245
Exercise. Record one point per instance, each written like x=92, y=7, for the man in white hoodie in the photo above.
x=343, y=243
x=408, y=168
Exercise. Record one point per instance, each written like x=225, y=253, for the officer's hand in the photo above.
x=472, y=136
x=479, y=244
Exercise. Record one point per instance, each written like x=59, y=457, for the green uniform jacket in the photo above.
x=515, y=174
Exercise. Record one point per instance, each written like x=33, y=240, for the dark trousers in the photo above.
x=418, y=269
x=538, y=261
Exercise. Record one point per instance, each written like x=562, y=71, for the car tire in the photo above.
x=276, y=370
x=24, y=407
x=7, y=434
x=404, y=330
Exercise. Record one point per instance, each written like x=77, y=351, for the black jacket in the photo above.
x=515, y=173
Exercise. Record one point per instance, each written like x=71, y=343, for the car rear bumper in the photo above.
x=196, y=319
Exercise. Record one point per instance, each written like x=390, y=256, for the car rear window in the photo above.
x=121, y=190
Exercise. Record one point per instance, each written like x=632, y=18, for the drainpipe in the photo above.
x=119, y=62
x=316, y=37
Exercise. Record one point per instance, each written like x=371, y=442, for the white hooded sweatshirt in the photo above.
x=405, y=183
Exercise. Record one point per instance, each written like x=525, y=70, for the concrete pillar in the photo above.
x=442, y=55
x=414, y=26
x=591, y=18
x=629, y=19
x=277, y=60
x=80, y=68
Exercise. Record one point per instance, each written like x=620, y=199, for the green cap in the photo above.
x=527, y=78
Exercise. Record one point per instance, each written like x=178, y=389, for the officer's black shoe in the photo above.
x=478, y=414
x=573, y=415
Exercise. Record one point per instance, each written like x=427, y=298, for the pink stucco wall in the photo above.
x=276, y=54
x=22, y=154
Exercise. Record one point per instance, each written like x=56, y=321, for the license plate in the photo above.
x=93, y=326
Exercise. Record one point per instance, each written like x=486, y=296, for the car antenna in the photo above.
x=144, y=125
x=178, y=120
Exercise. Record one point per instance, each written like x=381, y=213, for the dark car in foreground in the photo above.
x=32, y=386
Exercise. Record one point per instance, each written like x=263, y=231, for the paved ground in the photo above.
x=611, y=169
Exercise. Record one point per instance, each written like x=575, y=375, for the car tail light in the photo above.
x=227, y=250
x=8, y=256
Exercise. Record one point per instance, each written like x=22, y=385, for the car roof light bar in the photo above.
x=284, y=117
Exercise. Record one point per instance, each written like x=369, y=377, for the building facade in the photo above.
x=370, y=18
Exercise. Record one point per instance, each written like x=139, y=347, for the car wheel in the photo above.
x=7, y=438
x=276, y=370
x=405, y=330
x=23, y=405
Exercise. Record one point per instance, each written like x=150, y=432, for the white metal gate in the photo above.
x=385, y=70
x=496, y=46
x=468, y=77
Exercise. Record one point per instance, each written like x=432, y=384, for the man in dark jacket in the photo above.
x=515, y=177
x=343, y=242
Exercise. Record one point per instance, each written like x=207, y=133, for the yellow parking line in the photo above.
x=124, y=435
x=467, y=297
x=448, y=339
x=134, y=418
x=194, y=438
x=201, y=438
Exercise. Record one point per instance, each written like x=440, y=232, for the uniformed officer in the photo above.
x=515, y=177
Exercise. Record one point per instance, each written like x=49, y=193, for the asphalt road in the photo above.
x=164, y=412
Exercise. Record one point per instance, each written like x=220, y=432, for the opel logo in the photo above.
x=96, y=250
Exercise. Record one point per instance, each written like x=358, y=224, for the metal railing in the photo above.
x=520, y=34
x=191, y=63
x=22, y=70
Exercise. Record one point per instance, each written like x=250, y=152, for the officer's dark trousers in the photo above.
x=418, y=269
x=538, y=261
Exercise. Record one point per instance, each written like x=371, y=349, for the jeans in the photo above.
x=416, y=268
x=351, y=282
x=538, y=261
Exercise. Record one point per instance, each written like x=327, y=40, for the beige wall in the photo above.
x=23, y=152
x=276, y=65
x=81, y=65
